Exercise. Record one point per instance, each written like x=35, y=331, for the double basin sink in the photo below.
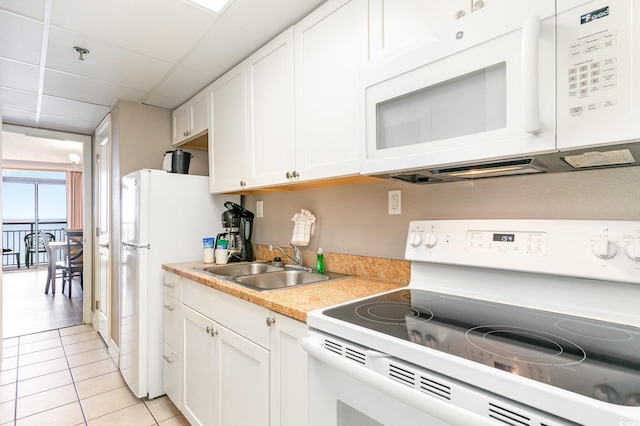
x=262, y=276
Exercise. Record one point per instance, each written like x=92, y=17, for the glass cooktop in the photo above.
x=593, y=358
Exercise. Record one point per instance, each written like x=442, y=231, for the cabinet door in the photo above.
x=172, y=375
x=271, y=130
x=227, y=136
x=199, y=370
x=180, y=124
x=331, y=44
x=198, y=112
x=243, y=370
x=173, y=323
x=289, y=377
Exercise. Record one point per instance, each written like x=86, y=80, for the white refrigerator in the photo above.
x=165, y=216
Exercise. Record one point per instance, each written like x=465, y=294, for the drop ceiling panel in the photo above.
x=223, y=47
x=68, y=124
x=26, y=31
x=65, y=107
x=78, y=88
x=164, y=29
x=19, y=75
x=18, y=100
x=162, y=101
x=17, y=117
x=104, y=62
x=32, y=8
x=183, y=83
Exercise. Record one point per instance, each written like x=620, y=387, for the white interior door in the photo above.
x=102, y=142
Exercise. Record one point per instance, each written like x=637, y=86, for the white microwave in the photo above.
x=515, y=87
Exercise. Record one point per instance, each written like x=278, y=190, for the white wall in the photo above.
x=354, y=219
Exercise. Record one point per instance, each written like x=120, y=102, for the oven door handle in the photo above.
x=432, y=406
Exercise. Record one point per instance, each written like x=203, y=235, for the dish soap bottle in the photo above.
x=320, y=262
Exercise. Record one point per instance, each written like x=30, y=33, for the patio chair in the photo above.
x=9, y=252
x=34, y=245
x=73, y=260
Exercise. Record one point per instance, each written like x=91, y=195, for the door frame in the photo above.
x=87, y=202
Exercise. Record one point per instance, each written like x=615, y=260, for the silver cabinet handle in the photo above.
x=166, y=358
x=270, y=321
x=169, y=285
x=212, y=331
x=169, y=308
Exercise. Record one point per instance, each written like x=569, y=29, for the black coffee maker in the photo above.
x=238, y=225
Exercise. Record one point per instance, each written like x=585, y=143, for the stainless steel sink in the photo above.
x=236, y=269
x=263, y=277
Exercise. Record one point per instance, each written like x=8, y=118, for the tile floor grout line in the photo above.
x=73, y=380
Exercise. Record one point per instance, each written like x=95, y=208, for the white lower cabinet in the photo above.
x=241, y=364
x=289, y=379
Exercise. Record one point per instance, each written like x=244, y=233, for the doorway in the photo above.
x=37, y=170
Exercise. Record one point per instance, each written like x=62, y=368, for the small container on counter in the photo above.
x=320, y=262
x=208, y=245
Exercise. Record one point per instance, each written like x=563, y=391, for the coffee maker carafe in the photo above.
x=238, y=225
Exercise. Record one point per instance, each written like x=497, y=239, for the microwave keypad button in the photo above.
x=610, y=61
x=609, y=69
x=608, y=104
x=573, y=71
x=573, y=78
x=573, y=86
x=584, y=68
x=584, y=75
x=592, y=48
x=594, y=73
x=584, y=83
x=575, y=111
x=584, y=92
x=591, y=107
x=609, y=77
x=575, y=53
x=610, y=35
x=575, y=45
x=610, y=85
x=595, y=80
x=592, y=40
x=609, y=43
x=594, y=65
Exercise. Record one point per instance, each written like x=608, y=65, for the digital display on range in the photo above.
x=505, y=238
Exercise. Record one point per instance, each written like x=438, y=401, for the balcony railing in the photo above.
x=13, y=233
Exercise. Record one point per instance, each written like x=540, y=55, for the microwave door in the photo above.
x=491, y=99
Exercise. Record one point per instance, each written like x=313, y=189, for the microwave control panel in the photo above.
x=594, y=51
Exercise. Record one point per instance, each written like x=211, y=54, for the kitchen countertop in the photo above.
x=293, y=302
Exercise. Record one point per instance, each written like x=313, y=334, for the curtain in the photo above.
x=74, y=200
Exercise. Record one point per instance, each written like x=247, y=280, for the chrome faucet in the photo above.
x=297, y=255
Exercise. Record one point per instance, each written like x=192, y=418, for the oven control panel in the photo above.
x=517, y=243
x=605, y=250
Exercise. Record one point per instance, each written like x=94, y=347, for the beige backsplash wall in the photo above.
x=354, y=219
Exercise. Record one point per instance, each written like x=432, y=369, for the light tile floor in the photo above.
x=66, y=377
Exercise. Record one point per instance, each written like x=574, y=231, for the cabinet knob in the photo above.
x=166, y=358
x=270, y=321
x=169, y=308
x=243, y=183
x=294, y=174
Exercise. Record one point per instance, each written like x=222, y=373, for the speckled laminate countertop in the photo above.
x=293, y=302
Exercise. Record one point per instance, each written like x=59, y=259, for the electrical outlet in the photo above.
x=259, y=209
x=395, y=204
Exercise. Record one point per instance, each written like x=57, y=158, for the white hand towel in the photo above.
x=303, y=228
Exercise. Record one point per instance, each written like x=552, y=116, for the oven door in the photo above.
x=343, y=393
x=480, y=88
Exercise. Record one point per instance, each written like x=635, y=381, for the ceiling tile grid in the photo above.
x=156, y=52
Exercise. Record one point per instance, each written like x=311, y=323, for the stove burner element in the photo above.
x=393, y=313
x=594, y=331
x=525, y=345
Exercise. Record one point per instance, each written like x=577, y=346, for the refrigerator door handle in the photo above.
x=135, y=245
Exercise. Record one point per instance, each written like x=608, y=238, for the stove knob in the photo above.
x=416, y=239
x=431, y=240
x=633, y=250
x=604, y=249
x=605, y=393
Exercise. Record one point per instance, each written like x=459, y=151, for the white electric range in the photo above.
x=518, y=322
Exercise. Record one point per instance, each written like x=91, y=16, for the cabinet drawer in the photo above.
x=173, y=323
x=173, y=285
x=172, y=375
x=238, y=315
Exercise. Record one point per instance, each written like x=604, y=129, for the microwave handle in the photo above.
x=530, y=101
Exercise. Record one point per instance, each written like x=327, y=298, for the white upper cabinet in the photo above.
x=330, y=45
x=190, y=119
x=271, y=125
x=394, y=23
x=228, y=134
